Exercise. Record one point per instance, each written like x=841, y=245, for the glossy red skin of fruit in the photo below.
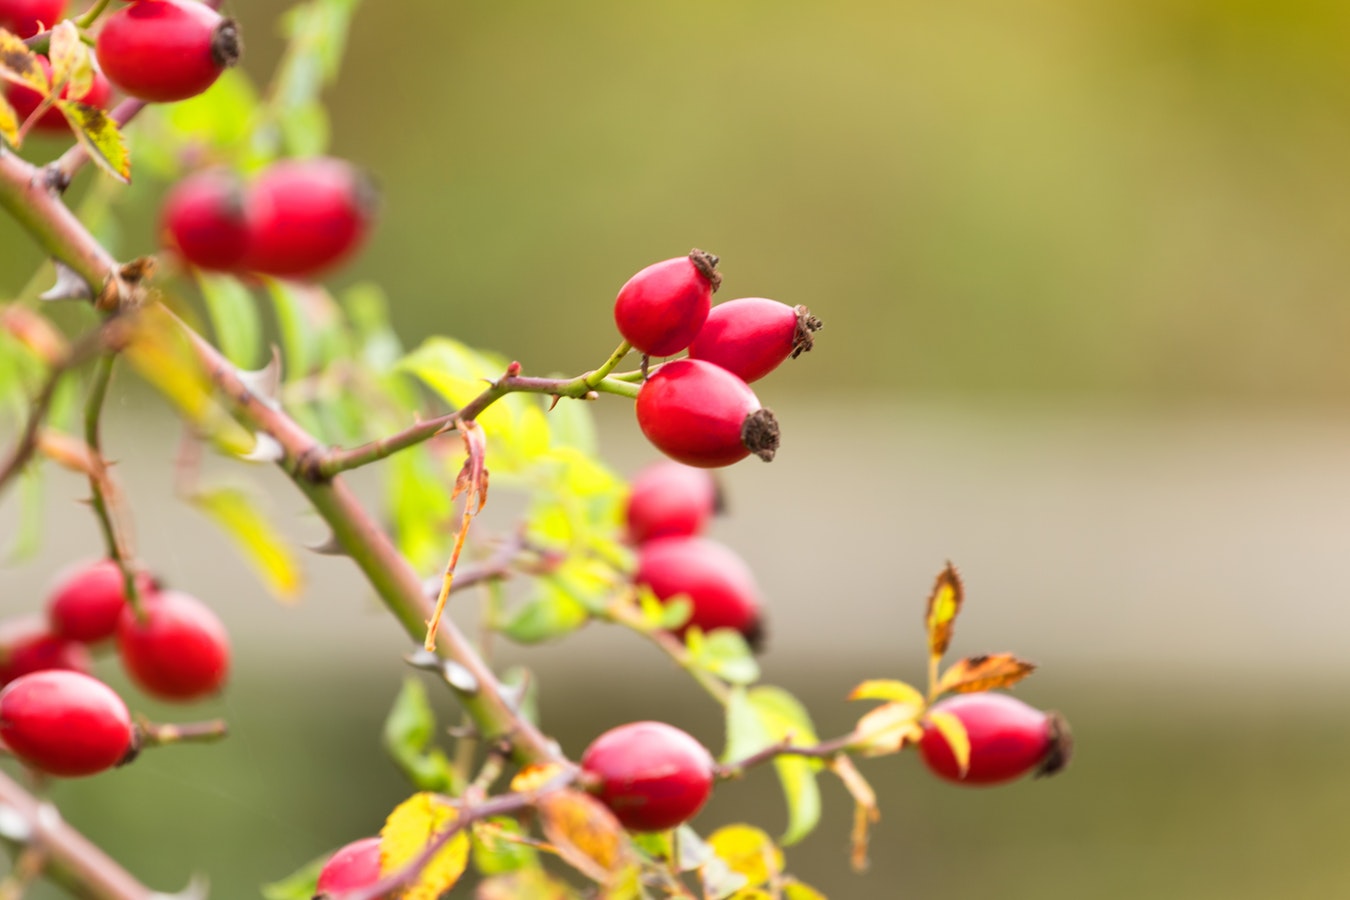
x=750, y=336
x=25, y=101
x=662, y=307
x=356, y=865
x=180, y=651
x=1008, y=739
x=87, y=601
x=694, y=412
x=203, y=220
x=166, y=50
x=27, y=646
x=65, y=723
x=28, y=17
x=306, y=216
x=720, y=586
x=651, y=775
x=669, y=499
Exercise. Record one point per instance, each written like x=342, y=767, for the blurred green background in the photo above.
x=1082, y=269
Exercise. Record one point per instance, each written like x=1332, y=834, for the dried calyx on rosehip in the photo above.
x=662, y=307
x=718, y=584
x=65, y=723
x=752, y=336
x=651, y=775
x=176, y=649
x=26, y=101
x=1008, y=739
x=166, y=50
x=670, y=499
x=702, y=415
x=351, y=868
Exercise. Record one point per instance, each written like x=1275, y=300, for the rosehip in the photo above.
x=179, y=652
x=1008, y=739
x=166, y=50
x=65, y=723
x=306, y=216
x=720, y=586
x=25, y=100
x=356, y=865
x=752, y=336
x=661, y=308
x=87, y=601
x=27, y=646
x=702, y=415
x=203, y=220
x=652, y=776
x=26, y=18
x=670, y=499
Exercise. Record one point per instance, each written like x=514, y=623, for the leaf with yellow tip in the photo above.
x=270, y=555
x=586, y=835
x=19, y=65
x=954, y=733
x=944, y=604
x=984, y=673
x=887, y=689
x=414, y=824
x=70, y=59
x=97, y=133
x=747, y=851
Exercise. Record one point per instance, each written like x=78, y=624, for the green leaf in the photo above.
x=300, y=885
x=724, y=653
x=419, y=508
x=763, y=716
x=573, y=425
x=234, y=316
x=300, y=318
x=266, y=551
x=27, y=541
x=98, y=134
x=494, y=853
x=216, y=125
x=551, y=614
x=305, y=130
x=458, y=374
x=409, y=736
x=368, y=316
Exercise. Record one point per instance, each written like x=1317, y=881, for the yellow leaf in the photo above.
x=586, y=835
x=98, y=134
x=749, y=852
x=534, y=776
x=984, y=673
x=9, y=123
x=412, y=825
x=889, y=727
x=795, y=890
x=264, y=548
x=944, y=603
x=751, y=894
x=954, y=733
x=20, y=65
x=69, y=57
x=885, y=689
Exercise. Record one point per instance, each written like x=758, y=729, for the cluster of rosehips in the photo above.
x=155, y=50
x=296, y=219
x=700, y=410
x=58, y=718
x=669, y=507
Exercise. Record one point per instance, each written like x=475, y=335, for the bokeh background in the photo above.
x=1082, y=267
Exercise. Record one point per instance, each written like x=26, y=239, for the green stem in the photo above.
x=99, y=485
x=91, y=17
x=594, y=378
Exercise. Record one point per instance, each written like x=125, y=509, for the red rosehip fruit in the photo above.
x=65, y=723
x=87, y=601
x=355, y=866
x=307, y=215
x=166, y=50
x=25, y=101
x=752, y=336
x=203, y=220
x=720, y=586
x=179, y=652
x=651, y=775
x=661, y=308
x=702, y=415
x=27, y=646
x=1008, y=739
x=670, y=499
x=26, y=18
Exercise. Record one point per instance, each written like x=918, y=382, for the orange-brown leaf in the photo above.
x=944, y=604
x=585, y=834
x=984, y=673
x=865, y=810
